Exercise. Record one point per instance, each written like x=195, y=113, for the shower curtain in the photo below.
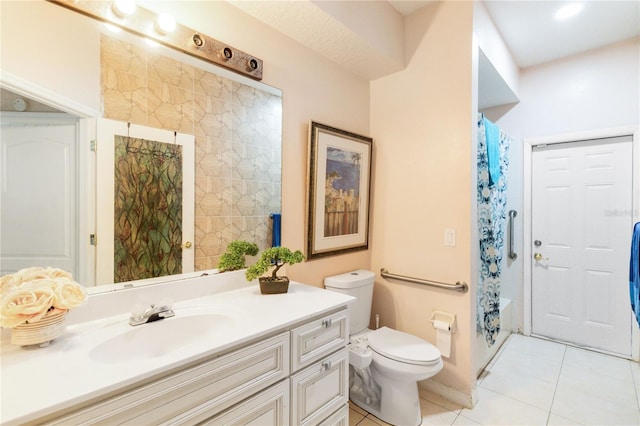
x=493, y=165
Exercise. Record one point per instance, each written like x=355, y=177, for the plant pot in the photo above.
x=268, y=285
x=40, y=332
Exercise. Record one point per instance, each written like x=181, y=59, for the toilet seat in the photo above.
x=403, y=347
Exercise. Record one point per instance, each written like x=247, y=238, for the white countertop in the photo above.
x=75, y=367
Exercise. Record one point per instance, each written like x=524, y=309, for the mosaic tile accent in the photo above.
x=237, y=130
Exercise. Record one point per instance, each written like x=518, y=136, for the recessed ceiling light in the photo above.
x=568, y=11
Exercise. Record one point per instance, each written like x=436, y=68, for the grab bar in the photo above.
x=460, y=286
x=512, y=215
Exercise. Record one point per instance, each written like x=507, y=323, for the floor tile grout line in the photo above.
x=458, y=410
x=555, y=389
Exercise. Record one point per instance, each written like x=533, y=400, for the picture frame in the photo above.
x=339, y=187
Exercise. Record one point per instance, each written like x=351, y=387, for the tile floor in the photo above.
x=538, y=382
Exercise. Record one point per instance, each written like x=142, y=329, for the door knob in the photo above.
x=538, y=257
x=187, y=244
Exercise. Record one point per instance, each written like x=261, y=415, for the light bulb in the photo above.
x=123, y=8
x=165, y=24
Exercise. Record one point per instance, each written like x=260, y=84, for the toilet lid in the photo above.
x=402, y=347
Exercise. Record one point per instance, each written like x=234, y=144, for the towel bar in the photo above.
x=460, y=286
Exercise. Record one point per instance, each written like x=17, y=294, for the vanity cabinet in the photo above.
x=196, y=393
x=298, y=376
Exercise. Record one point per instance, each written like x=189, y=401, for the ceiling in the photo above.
x=335, y=28
x=533, y=36
x=527, y=28
x=341, y=31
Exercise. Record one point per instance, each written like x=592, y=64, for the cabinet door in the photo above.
x=320, y=389
x=318, y=338
x=269, y=407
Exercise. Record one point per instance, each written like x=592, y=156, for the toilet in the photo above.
x=385, y=365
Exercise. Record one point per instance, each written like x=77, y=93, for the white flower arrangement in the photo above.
x=32, y=294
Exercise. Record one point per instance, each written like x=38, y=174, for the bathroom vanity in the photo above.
x=233, y=357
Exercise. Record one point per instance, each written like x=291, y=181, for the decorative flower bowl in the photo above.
x=41, y=332
x=34, y=304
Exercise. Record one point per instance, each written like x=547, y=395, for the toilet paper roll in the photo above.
x=441, y=325
x=443, y=337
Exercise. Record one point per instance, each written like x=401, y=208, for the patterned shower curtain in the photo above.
x=492, y=201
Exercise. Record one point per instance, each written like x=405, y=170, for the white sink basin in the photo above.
x=159, y=338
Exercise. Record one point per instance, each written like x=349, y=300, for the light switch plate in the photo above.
x=449, y=237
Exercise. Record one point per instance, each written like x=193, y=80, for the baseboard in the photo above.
x=454, y=395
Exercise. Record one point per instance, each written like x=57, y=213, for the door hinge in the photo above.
x=92, y=239
x=93, y=146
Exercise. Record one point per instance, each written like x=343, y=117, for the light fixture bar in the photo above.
x=184, y=39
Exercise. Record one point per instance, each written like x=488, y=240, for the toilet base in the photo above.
x=399, y=401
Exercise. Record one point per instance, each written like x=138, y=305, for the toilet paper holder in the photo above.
x=443, y=317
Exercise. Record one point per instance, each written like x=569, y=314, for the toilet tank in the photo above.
x=358, y=284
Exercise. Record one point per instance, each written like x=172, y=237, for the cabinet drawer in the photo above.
x=270, y=407
x=318, y=338
x=320, y=389
x=211, y=386
x=339, y=418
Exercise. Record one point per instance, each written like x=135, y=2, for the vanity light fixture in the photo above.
x=198, y=41
x=151, y=43
x=112, y=28
x=163, y=29
x=568, y=11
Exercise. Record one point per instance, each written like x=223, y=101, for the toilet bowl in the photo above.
x=393, y=361
x=399, y=361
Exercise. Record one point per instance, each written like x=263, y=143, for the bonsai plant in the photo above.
x=234, y=258
x=274, y=257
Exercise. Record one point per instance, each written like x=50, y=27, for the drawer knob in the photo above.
x=326, y=365
x=326, y=323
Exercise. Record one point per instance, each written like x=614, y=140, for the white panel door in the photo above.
x=581, y=227
x=38, y=200
x=105, y=175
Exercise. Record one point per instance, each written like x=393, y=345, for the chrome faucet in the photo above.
x=152, y=313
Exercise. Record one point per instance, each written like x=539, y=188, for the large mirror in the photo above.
x=236, y=123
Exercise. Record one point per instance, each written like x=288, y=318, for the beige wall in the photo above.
x=421, y=119
x=51, y=55
x=40, y=44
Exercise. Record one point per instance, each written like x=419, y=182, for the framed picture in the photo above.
x=339, y=190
